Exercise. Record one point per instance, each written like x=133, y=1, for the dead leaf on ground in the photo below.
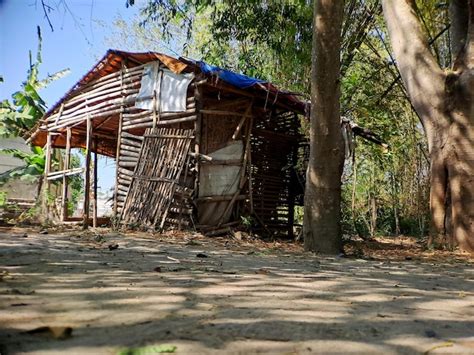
x=446, y=344
x=54, y=332
x=113, y=246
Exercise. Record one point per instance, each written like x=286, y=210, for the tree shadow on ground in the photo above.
x=234, y=299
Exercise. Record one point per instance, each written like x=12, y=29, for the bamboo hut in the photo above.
x=196, y=146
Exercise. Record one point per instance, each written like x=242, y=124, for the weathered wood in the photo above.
x=156, y=177
x=162, y=123
x=222, y=162
x=95, y=206
x=131, y=136
x=87, y=178
x=67, y=159
x=63, y=173
x=242, y=120
x=221, y=198
x=117, y=152
x=224, y=113
x=148, y=115
x=198, y=99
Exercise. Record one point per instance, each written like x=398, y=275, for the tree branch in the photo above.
x=46, y=10
x=421, y=74
x=459, y=18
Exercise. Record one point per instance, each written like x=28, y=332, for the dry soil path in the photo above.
x=204, y=296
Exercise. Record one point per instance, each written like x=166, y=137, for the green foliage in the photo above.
x=21, y=114
x=34, y=164
x=149, y=350
x=3, y=199
x=76, y=185
x=387, y=191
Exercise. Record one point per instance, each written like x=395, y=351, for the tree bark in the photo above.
x=321, y=227
x=444, y=101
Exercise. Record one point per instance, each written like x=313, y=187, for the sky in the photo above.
x=77, y=42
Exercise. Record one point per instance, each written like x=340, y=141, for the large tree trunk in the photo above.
x=322, y=215
x=444, y=101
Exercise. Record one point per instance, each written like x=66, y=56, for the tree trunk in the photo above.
x=444, y=101
x=322, y=215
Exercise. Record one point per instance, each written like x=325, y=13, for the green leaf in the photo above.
x=149, y=350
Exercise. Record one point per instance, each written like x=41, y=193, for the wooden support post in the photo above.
x=119, y=140
x=67, y=163
x=197, y=135
x=87, y=179
x=47, y=169
x=95, y=206
x=291, y=191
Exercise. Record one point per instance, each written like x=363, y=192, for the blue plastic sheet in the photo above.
x=238, y=80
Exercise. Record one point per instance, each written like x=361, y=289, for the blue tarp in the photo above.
x=238, y=80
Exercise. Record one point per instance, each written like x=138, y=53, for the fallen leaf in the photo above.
x=446, y=344
x=149, y=350
x=174, y=259
x=54, y=332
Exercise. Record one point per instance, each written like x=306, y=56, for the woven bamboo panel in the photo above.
x=274, y=139
x=163, y=155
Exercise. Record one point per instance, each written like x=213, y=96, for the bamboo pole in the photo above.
x=197, y=135
x=47, y=169
x=66, y=167
x=117, y=154
x=87, y=178
x=242, y=120
x=95, y=207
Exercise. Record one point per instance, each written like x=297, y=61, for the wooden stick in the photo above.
x=47, y=169
x=223, y=113
x=66, y=167
x=198, y=99
x=162, y=123
x=95, y=207
x=242, y=120
x=117, y=153
x=87, y=183
x=221, y=198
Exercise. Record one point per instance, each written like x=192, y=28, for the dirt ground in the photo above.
x=102, y=292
